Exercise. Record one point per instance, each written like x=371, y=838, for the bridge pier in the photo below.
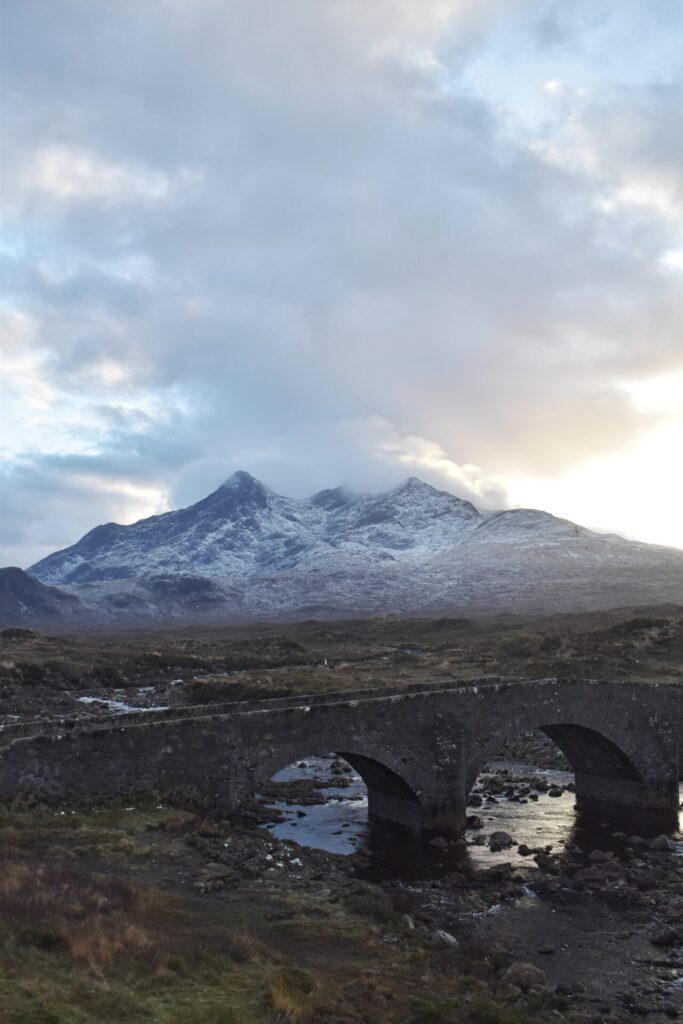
x=633, y=806
x=640, y=793
x=394, y=812
x=433, y=814
x=392, y=802
x=421, y=820
x=636, y=806
x=433, y=805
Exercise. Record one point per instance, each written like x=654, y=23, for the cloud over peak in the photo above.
x=330, y=241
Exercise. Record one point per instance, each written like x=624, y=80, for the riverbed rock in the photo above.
x=500, y=841
x=547, y=886
x=510, y=891
x=662, y=844
x=666, y=936
x=590, y=878
x=547, y=863
x=525, y=977
x=600, y=856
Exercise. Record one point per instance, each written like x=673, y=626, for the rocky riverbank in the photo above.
x=527, y=879
x=542, y=916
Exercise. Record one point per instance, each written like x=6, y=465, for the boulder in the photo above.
x=662, y=844
x=525, y=977
x=666, y=936
x=547, y=863
x=500, y=841
x=600, y=856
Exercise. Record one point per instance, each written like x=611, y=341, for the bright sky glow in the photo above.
x=619, y=489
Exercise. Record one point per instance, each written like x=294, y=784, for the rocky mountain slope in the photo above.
x=245, y=551
x=24, y=601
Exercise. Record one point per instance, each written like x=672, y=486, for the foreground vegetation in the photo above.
x=102, y=920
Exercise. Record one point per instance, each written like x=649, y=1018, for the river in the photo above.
x=340, y=824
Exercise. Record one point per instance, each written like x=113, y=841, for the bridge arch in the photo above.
x=391, y=797
x=612, y=767
x=588, y=750
x=591, y=752
x=380, y=778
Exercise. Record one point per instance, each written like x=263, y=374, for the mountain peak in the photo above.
x=414, y=483
x=242, y=486
x=332, y=498
x=238, y=491
x=241, y=479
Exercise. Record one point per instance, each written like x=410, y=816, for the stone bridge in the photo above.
x=419, y=749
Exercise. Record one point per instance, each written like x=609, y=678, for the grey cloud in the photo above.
x=343, y=233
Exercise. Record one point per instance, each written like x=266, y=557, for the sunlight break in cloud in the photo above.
x=638, y=493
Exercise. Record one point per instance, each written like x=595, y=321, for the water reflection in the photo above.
x=340, y=823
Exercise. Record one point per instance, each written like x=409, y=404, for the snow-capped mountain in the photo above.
x=245, y=551
x=243, y=529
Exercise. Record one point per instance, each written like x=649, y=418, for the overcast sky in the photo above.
x=338, y=241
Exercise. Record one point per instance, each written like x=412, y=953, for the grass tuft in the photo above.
x=290, y=990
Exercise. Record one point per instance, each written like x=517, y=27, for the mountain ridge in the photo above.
x=243, y=527
x=245, y=552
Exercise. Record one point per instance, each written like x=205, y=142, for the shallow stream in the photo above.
x=340, y=825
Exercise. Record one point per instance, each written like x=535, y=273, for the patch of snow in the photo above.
x=118, y=706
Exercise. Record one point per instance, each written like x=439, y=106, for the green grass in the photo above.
x=83, y=942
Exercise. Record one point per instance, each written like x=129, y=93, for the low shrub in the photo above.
x=519, y=645
x=373, y=903
x=54, y=907
x=290, y=990
x=212, y=690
